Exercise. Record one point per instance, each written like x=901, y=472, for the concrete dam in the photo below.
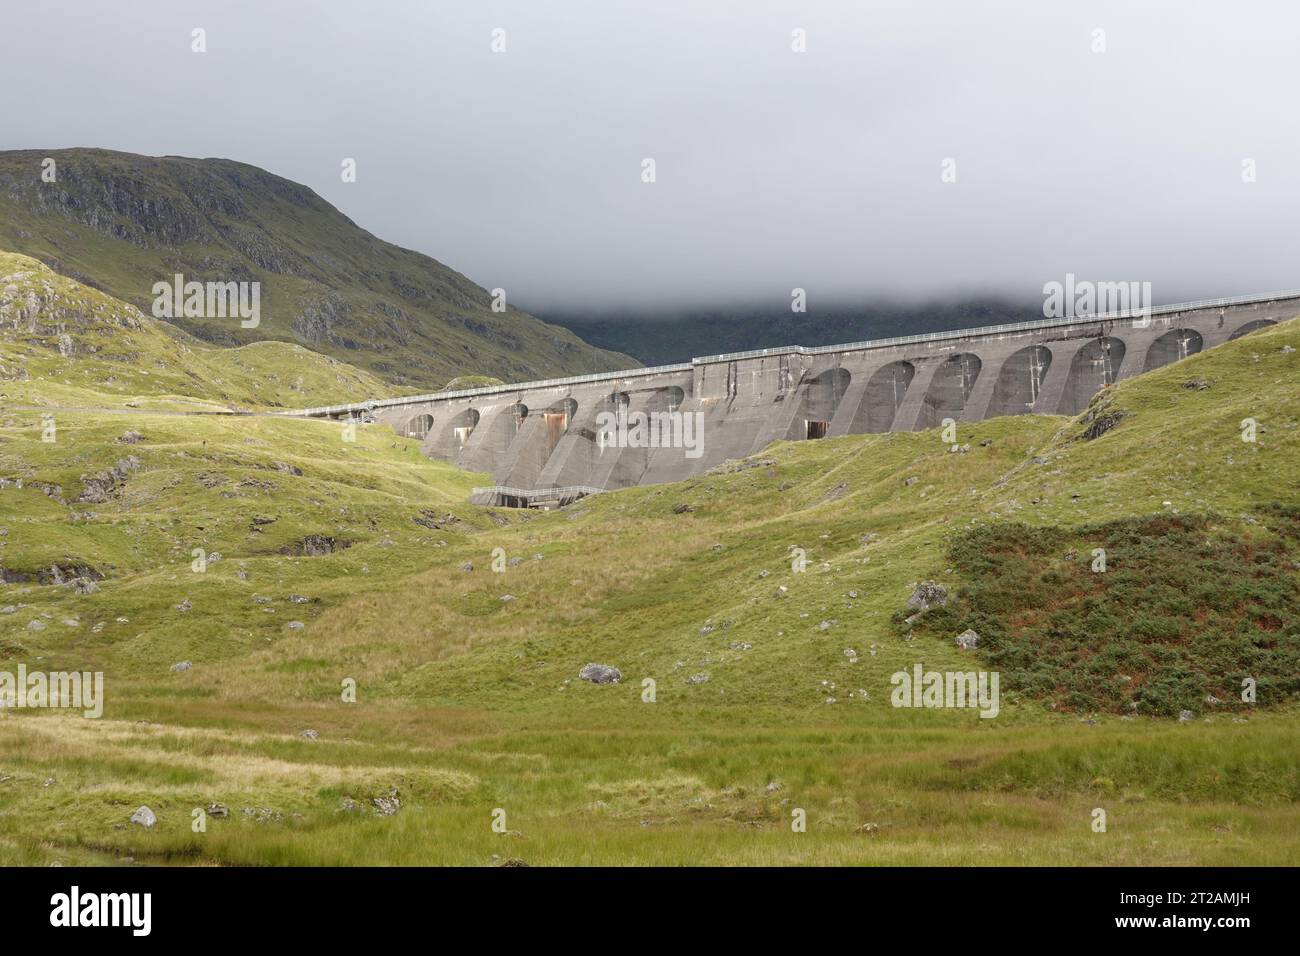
x=552, y=441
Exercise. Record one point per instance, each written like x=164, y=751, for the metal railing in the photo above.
x=1026, y=326
x=489, y=390
x=916, y=339
x=530, y=493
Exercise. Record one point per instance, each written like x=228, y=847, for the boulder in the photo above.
x=968, y=640
x=144, y=817
x=926, y=595
x=601, y=674
x=387, y=804
x=317, y=545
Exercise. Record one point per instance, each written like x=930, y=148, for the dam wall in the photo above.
x=556, y=433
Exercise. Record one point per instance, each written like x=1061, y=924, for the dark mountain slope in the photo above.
x=121, y=223
x=673, y=336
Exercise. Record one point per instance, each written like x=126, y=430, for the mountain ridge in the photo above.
x=120, y=222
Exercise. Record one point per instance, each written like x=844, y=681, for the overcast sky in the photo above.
x=774, y=169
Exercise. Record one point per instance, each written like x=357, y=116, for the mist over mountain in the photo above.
x=663, y=338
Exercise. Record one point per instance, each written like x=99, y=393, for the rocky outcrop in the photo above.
x=33, y=303
x=104, y=485
x=315, y=546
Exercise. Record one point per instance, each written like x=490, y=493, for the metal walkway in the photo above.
x=506, y=496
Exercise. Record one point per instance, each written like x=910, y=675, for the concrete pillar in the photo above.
x=1058, y=373
x=576, y=446
x=523, y=461
x=851, y=402
x=977, y=402
x=616, y=467
x=909, y=412
x=478, y=453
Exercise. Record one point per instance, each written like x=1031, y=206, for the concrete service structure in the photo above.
x=551, y=434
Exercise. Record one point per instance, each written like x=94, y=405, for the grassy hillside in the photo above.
x=122, y=222
x=65, y=344
x=468, y=699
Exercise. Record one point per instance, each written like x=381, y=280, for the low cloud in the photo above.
x=773, y=169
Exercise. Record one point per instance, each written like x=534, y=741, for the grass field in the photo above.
x=472, y=741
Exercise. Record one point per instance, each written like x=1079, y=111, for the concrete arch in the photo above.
x=1173, y=346
x=494, y=436
x=821, y=397
x=453, y=434
x=640, y=417
x=671, y=396
x=1020, y=381
x=1095, y=366
x=610, y=415
x=949, y=389
x=463, y=425
x=1249, y=327
x=884, y=394
x=417, y=426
